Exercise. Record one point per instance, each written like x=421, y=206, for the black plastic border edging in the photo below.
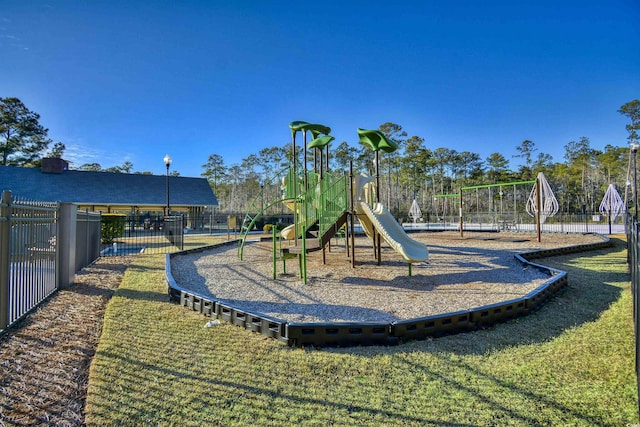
x=355, y=333
x=266, y=325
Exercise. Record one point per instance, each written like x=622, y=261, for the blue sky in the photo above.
x=133, y=80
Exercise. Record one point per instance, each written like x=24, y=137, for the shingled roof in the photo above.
x=105, y=188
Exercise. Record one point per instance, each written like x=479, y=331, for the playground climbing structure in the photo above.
x=325, y=203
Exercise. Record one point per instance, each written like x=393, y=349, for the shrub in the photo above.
x=267, y=228
x=112, y=226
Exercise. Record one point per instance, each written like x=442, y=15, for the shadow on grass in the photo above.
x=157, y=403
x=498, y=408
x=137, y=295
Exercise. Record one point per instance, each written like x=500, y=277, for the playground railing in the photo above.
x=293, y=186
x=307, y=214
x=333, y=201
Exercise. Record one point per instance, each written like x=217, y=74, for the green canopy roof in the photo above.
x=315, y=129
x=376, y=140
x=321, y=142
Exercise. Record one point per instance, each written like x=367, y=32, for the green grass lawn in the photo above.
x=569, y=363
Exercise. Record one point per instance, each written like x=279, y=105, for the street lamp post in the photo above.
x=167, y=163
x=634, y=149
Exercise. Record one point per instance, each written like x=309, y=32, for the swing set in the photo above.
x=499, y=209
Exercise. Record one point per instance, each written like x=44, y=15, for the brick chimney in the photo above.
x=54, y=165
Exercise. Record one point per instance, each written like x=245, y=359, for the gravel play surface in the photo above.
x=461, y=273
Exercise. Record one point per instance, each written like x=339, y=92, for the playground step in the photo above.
x=342, y=220
x=312, y=245
x=315, y=243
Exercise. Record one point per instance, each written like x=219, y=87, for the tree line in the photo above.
x=413, y=171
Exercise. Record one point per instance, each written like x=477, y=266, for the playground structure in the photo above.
x=326, y=203
x=279, y=309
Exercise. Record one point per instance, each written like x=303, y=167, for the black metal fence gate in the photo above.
x=160, y=234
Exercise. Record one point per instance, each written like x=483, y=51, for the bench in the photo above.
x=43, y=250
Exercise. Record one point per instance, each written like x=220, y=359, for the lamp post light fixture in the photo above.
x=167, y=163
x=634, y=149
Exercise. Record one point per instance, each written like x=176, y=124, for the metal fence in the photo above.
x=87, y=242
x=571, y=222
x=28, y=256
x=142, y=233
x=42, y=245
x=633, y=257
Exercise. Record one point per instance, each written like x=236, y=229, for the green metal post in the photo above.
x=376, y=234
x=274, y=252
x=352, y=215
x=303, y=254
x=294, y=181
x=284, y=258
x=460, y=210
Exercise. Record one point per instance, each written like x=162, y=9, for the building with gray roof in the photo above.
x=107, y=191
